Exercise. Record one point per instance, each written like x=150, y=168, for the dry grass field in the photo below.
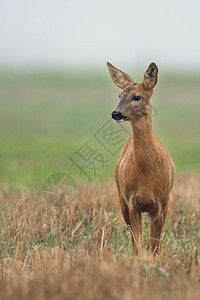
x=81, y=248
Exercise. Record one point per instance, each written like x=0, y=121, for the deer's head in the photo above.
x=135, y=97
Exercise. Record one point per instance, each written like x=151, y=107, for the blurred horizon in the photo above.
x=45, y=118
x=84, y=35
x=56, y=92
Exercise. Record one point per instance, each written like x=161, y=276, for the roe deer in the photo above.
x=145, y=172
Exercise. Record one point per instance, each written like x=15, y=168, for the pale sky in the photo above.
x=84, y=33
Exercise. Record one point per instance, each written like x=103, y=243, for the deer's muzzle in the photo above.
x=117, y=115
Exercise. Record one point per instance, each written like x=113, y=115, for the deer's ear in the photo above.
x=120, y=79
x=150, y=77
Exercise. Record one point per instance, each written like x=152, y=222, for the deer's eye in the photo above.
x=136, y=98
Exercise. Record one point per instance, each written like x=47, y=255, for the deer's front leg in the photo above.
x=124, y=209
x=136, y=228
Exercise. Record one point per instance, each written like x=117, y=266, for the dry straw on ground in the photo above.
x=82, y=249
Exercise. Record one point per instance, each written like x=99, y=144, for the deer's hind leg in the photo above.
x=157, y=224
x=156, y=228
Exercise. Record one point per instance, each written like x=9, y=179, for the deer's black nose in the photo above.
x=117, y=115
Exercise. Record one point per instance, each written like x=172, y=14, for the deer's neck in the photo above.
x=144, y=149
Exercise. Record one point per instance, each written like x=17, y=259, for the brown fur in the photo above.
x=144, y=172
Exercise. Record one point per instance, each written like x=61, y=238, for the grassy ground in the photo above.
x=78, y=247
x=45, y=117
x=81, y=248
